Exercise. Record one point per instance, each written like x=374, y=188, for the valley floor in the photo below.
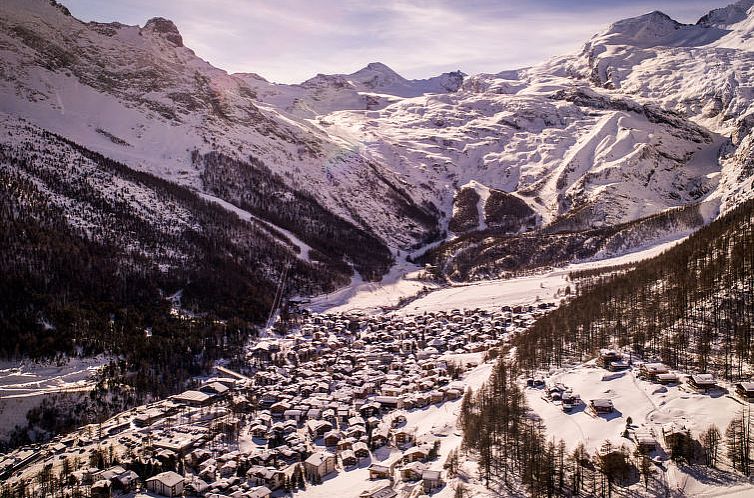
x=404, y=282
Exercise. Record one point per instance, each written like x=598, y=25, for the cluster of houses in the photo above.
x=660, y=373
x=329, y=397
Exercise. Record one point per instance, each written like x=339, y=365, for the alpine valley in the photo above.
x=162, y=216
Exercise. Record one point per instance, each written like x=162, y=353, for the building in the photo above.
x=259, y=492
x=101, y=489
x=608, y=356
x=193, y=398
x=431, y=480
x=702, y=382
x=602, y=405
x=319, y=464
x=361, y=450
x=746, y=391
x=166, y=484
x=348, y=458
x=379, y=471
x=652, y=370
x=645, y=441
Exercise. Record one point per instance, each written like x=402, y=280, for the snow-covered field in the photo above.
x=650, y=406
x=24, y=384
x=402, y=282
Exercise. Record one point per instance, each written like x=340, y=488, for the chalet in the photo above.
x=343, y=415
x=348, y=458
x=319, y=464
x=166, y=484
x=370, y=409
x=195, y=487
x=269, y=477
x=403, y=436
x=431, y=480
x=746, y=391
x=436, y=397
x=332, y=438
x=258, y=492
x=101, y=489
x=602, y=405
x=398, y=420
x=279, y=408
x=608, y=356
x=645, y=441
x=666, y=378
x=412, y=471
x=389, y=402
x=380, y=437
x=675, y=435
x=356, y=431
x=652, y=370
x=125, y=482
x=293, y=414
x=314, y=414
x=569, y=400
x=361, y=450
x=318, y=428
x=346, y=444
x=421, y=400
x=380, y=471
x=702, y=382
x=258, y=431
x=417, y=453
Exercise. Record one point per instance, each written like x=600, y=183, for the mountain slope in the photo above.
x=632, y=128
x=85, y=237
x=139, y=96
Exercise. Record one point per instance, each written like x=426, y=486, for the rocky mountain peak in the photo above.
x=732, y=14
x=164, y=28
x=652, y=25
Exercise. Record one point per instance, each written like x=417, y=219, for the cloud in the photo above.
x=291, y=40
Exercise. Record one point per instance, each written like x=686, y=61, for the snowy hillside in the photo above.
x=137, y=95
x=650, y=119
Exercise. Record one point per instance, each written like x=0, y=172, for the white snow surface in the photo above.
x=351, y=139
x=403, y=282
x=650, y=406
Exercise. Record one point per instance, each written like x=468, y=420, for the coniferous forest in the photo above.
x=100, y=258
x=690, y=307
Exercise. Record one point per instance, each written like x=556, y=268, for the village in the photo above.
x=343, y=404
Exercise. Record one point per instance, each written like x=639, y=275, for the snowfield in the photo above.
x=24, y=384
x=650, y=406
x=403, y=283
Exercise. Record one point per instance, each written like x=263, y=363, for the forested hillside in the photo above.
x=98, y=257
x=692, y=307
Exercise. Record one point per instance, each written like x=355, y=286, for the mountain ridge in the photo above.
x=598, y=138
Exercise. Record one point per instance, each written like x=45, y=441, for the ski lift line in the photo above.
x=278, y=294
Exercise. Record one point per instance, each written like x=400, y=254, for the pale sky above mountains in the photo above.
x=289, y=41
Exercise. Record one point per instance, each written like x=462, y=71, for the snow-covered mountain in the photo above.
x=651, y=118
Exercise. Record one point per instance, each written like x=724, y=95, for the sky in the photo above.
x=289, y=41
